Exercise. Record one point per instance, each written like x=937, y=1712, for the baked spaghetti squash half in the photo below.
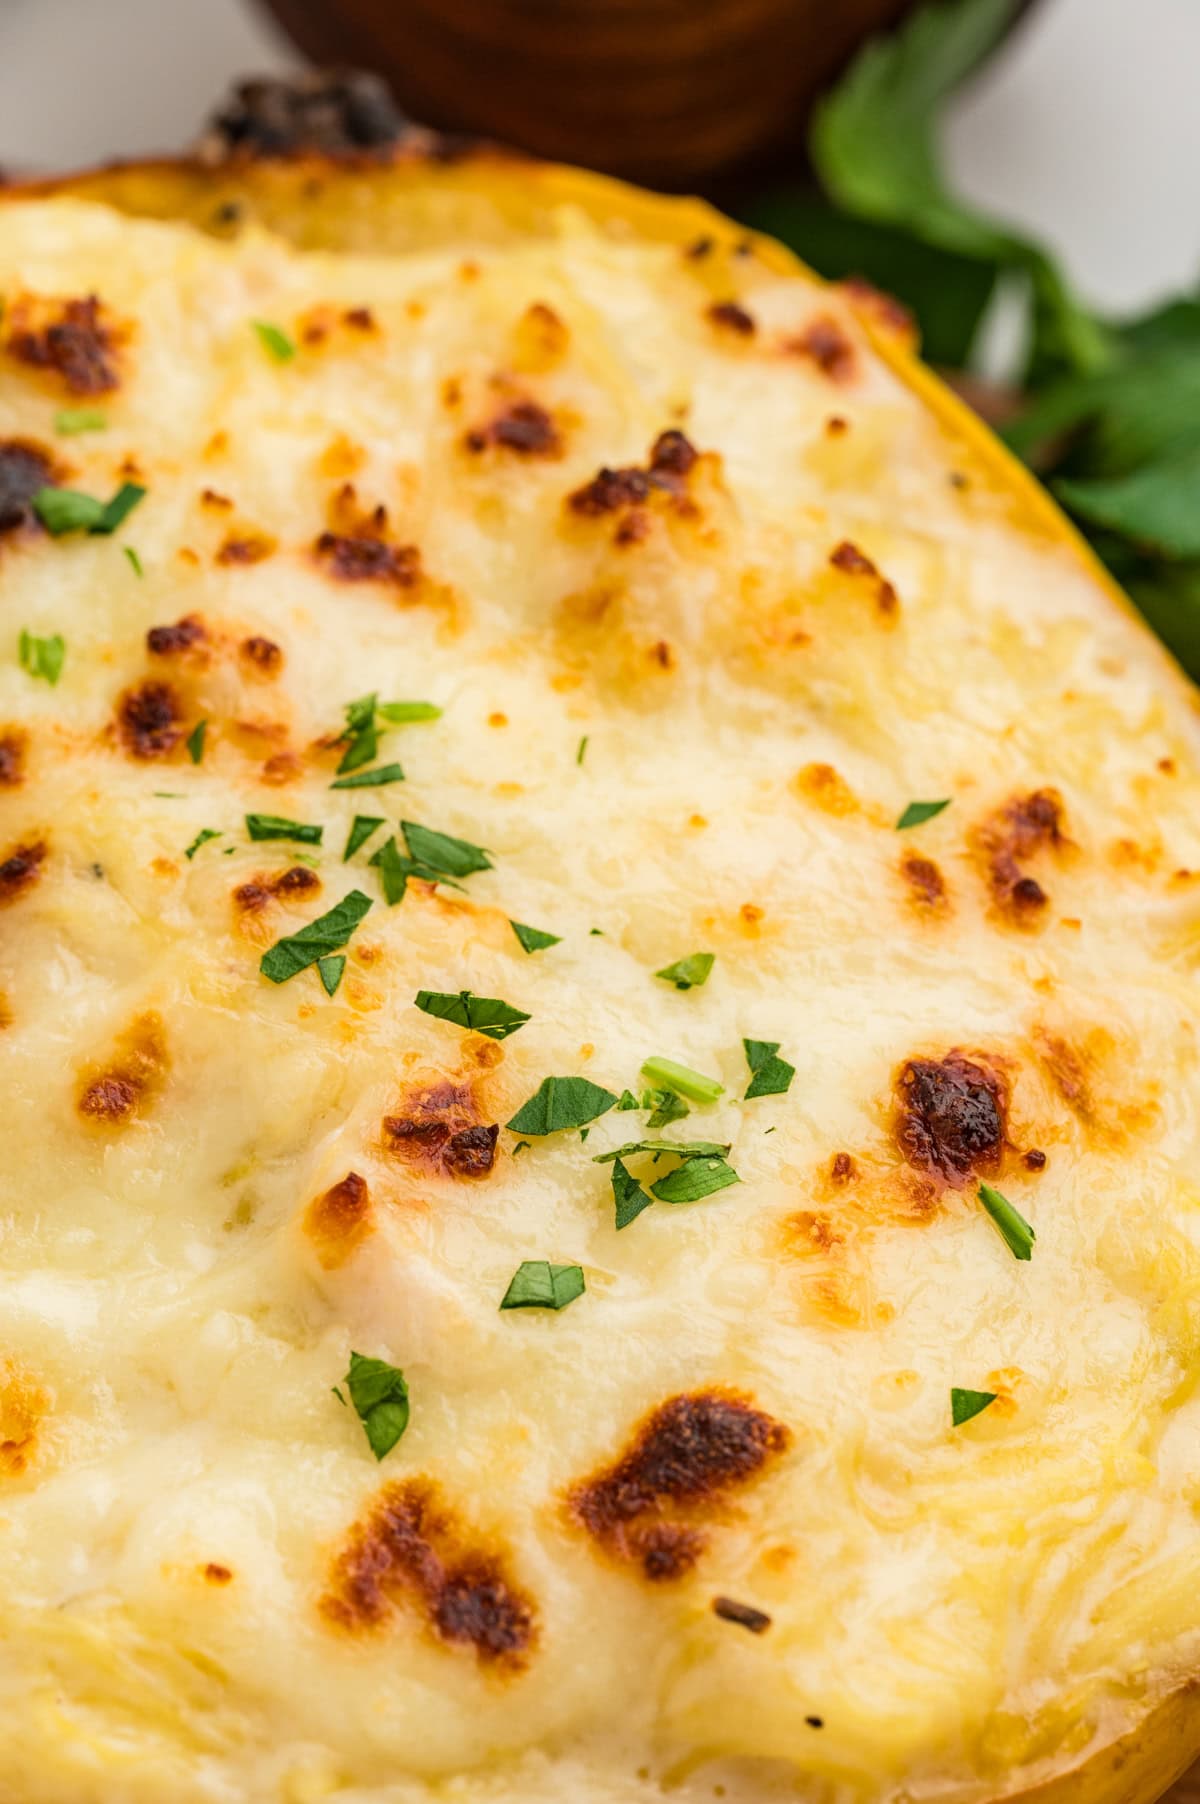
x=599, y=947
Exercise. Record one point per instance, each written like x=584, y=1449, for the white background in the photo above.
x=1087, y=129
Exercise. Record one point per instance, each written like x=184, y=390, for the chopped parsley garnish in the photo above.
x=534, y=939
x=690, y=972
x=195, y=741
x=702, y=1170
x=684, y=1149
x=536, y=1284
x=665, y=1106
x=42, y=657
x=695, y=1178
x=442, y=852
x=362, y=731
x=398, y=713
x=1011, y=1223
x=562, y=1102
x=380, y=1396
x=966, y=1404
x=482, y=1014
x=202, y=838
x=370, y=779
x=275, y=340
x=771, y=1075
x=361, y=831
x=394, y=871
x=330, y=970
x=628, y=1196
x=627, y=1100
x=274, y=826
x=683, y=1080
x=135, y=561
x=70, y=421
x=581, y=752
x=69, y=510
x=918, y=812
x=328, y=933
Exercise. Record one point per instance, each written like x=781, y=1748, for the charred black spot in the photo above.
x=149, y=720
x=25, y=467
x=21, y=869
x=745, y=1615
x=331, y=111
x=75, y=341
x=14, y=744
x=951, y=1117
x=172, y=641
x=364, y=558
x=472, y=1152
x=671, y=459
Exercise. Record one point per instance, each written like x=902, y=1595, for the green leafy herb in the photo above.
x=582, y=749
x=195, y=741
x=361, y=733
x=442, y=852
x=1015, y=1229
x=562, y=1102
x=917, y=813
x=135, y=562
x=70, y=421
x=966, y=1404
x=394, y=871
x=68, y=510
x=771, y=1074
x=627, y=1100
x=274, y=340
x=380, y=1396
x=274, y=826
x=330, y=970
x=202, y=838
x=370, y=779
x=665, y=1106
x=628, y=1196
x=536, y=1284
x=42, y=657
x=533, y=939
x=688, y=973
x=364, y=826
x=696, y=1178
x=683, y=1149
x=482, y=1014
x=328, y=933
x=683, y=1080
x=522, y=1146
x=400, y=712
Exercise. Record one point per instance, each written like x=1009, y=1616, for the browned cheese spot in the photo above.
x=951, y=1117
x=745, y=1615
x=25, y=467
x=411, y=1548
x=825, y=343
x=853, y=562
x=926, y=885
x=438, y=1128
x=541, y=338
x=115, y=1093
x=684, y=1459
x=251, y=897
x=14, y=747
x=20, y=869
x=827, y=789
x=150, y=720
x=75, y=340
x=357, y=547
x=672, y=457
x=262, y=655
x=880, y=308
x=216, y=1574
x=731, y=316
x=339, y=1220
x=523, y=427
x=188, y=635
x=1007, y=839
x=247, y=548
x=24, y=1404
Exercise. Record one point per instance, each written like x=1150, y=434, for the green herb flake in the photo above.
x=70, y=421
x=665, y=1107
x=331, y=970
x=629, y=1198
x=328, y=933
x=1012, y=1224
x=682, y=1149
x=627, y=1100
x=696, y=1178
x=202, y=838
x=690, y=972
x=195, y=741
x=274, y=826
x=771, y=1074
x=361, y=734
x=360, y=832
x=581, y=750
x=964, y=1405
x=380, y=1397
x=42, y=657
x=683, y=1080
x=69, y=510
x=917, y=813
x=135, y=562
x=485, y=1015
x=536, y=1284
x=442, y=852
x=533, y=939
x=274, y=340
x=398, y=713
x=559, y=1103
x=370, y=779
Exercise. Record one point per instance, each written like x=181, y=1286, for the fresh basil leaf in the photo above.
x=964, y=1405
x=629, y=1198
x=533, y=939
x=1012, y=1224
x=330, y=970
x=195, y=741
x=379, y=1394
x=360, y=832
x=771, y=1075
x=274, y=340
x=536, y=1284
x=482, y=1014
x=70, y=421
x=695, y=1179
x=560, y=1103
x=328, y=933
x=917, y=813
x=442, y=852
x=42, y=657
x=370, y=779
x=202, y=838
x=275, y=826
x=689, y=973
x=683, y=1080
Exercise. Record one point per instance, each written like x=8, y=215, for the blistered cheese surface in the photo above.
x=684, y=704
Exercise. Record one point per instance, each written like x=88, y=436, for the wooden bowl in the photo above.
x=674, y=93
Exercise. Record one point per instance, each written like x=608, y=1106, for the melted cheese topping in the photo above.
x=212, y=1591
